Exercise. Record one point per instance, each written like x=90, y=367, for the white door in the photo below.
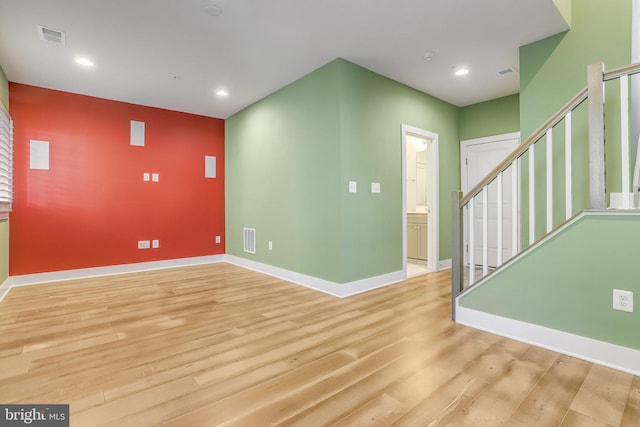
x=478, y=158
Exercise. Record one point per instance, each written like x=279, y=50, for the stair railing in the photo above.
x=465, y=230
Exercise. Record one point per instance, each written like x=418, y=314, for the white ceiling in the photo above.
x=172, y=54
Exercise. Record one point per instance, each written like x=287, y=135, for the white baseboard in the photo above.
x=603, y=353
x=335, y=289
x=4, y=288
x=85, y=273
x=444, y=264
x=326, y=286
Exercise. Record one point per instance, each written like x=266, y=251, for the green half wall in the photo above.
x=567, y=282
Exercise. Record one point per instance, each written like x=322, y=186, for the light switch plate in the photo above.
x=155, y=244
x=145, y=176
x=353, y=187
x=375, y=187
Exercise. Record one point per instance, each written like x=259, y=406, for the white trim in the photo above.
x=635, y=86
x=444, y=264
x=340, y=290
x=326, y=286
x=433, y=197
x=85, y=273
x=600, y=352
x=492, y=138
x=4, y=288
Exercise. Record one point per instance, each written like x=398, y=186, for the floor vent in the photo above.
x=249, y=240
x=51, y=35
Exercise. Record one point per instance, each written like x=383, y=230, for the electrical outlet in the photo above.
x=622, y=300
x=155, y=244
x=270, y=245
x=155, y=177
x=218, y=240
x=144, y=244
x=145, y=176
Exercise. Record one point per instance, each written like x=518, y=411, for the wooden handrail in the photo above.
x=522, y=148
x=627, y=70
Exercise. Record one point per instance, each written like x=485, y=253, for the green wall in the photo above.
x=282, y=176
x=4, y=224
x=567, y=282
x=552, y=71
x=564, y=7
x=373, y=109
x=4, y=89
x=495, y=117
x=289, y=158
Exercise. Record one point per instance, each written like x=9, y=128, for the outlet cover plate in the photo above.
x=623, y=300
x=144, y=244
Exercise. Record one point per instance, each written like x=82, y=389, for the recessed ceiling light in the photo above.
x=84, y=62
x=222, y=93
x=461, y=71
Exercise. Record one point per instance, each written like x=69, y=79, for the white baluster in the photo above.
x=567, y=166
x=471, y=249
x=549, y=180
x=485, y=230
x=624, y=138
x=515, y=173
x=532, y=196
x=499, y=220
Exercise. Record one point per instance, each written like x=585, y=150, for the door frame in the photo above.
x=433, y=197
x=464, y=146
x=635, y=79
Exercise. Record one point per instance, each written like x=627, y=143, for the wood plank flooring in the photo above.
x=219, y=345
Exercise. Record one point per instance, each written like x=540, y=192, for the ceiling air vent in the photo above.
x=50, y=35
x=507, y=71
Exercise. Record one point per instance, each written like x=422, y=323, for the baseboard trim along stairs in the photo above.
x=603, y=353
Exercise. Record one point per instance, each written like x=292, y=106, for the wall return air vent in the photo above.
x=52, y=35
x=249, y=240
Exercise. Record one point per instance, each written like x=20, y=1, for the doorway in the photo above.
x=420, y=190
x=477, y=158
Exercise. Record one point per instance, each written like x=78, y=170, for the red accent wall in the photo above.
x=92, y=206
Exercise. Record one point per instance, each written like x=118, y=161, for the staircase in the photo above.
x=575, y=132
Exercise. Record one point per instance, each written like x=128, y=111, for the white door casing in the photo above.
x=433, y=196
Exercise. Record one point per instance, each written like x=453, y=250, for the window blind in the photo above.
x=6, y=160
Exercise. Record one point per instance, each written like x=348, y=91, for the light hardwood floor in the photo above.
x=220, y=345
